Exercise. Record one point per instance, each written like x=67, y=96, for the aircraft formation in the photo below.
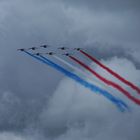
x=96, y=79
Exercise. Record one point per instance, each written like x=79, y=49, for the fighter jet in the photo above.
x=37, y=54
x=50, y=53
x=21, y=49
x=78, y=49
x=44, y=46
x=63, y=48
x=32, y=48
x=67, y=54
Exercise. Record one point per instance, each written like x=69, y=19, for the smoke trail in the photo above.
x=119, y=103
x=113, y=84
x=77, y=70
x=112, y=72
x=68, y=64
x=82, y=73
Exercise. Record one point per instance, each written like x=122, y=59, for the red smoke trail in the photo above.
x=112, y=72
x=119, y=103
x=108, y=82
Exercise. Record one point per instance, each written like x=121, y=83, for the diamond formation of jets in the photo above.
x=49, y=53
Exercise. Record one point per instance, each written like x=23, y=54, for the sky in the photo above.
x=37, y=102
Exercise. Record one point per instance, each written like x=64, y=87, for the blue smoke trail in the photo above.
x=120, y=104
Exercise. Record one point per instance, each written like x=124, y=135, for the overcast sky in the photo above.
x=37, y=102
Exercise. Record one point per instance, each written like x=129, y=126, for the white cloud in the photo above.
x=16, y=136
x=10, y=136
x=77, y=113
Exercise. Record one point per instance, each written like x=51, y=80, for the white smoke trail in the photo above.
x=79, y=71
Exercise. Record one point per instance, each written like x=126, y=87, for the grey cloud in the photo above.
x=75, y=113
x=108, y=5
x=105, y=29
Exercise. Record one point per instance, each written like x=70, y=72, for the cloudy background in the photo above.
x=36, y=102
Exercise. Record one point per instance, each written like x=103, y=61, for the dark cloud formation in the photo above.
x=116, y=21
x=34, y=104
x=108, y=5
